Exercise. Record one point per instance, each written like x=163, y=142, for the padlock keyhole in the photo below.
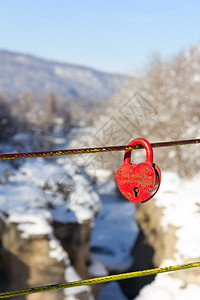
x=136, y=191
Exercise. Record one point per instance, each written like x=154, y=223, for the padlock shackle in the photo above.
x=147, y=146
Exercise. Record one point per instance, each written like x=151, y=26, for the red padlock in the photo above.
x=139, y=183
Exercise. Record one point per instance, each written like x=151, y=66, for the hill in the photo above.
x=21, y=72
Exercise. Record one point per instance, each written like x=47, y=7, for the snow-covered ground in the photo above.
x=24, y=201
x=167, y=288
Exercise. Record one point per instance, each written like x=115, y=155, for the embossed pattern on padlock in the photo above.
x=139, y=182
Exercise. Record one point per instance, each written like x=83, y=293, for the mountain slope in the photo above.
x=21, y=73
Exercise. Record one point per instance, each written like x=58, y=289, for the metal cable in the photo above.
x=99, y=280
x=94, y=150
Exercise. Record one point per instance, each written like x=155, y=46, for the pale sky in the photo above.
x=116, y=36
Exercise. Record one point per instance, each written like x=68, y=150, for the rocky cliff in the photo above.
x=170, y=223
x=44, y=238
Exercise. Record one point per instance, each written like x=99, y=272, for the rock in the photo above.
x=42, y=244
x=75, y=239
x=26, y=262
x=148, y=217
x=164, y=242
x=151, y=248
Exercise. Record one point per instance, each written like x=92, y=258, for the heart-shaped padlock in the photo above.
x=139, y=183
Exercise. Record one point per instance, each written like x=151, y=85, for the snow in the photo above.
x=19, y=201
x=180, y=201
x=56, y=250
x=83, y=76
x=101, y=174
x=97, y=268
x=70, y=293
x=167, y=288
x=196, y=77
x=31, y=223
x=3, y=166
x=21, y=136
x=86, y=202
x=23, y=200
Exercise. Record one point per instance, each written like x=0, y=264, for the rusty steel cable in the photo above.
x=95, y=150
